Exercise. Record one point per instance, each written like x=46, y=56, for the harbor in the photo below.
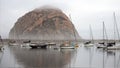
x=60, y=34
x=81, y=57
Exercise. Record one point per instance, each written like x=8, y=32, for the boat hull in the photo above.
x=113, y=48
x=38, y=45
x=66, y=47
x=89, y=45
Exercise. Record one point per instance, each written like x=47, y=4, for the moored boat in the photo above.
x=89, y=45
x=38, y=45
x=104, y=43
x=68, y=45
x=51, y=43
x=113, y=48
x=1, y=47
x=116, y=46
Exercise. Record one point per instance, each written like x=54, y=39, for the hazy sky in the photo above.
x=83, y=14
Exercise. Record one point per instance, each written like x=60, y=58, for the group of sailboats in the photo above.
x=116, y=46
x=106, y=44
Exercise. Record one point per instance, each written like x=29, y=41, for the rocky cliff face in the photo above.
x=44, y=24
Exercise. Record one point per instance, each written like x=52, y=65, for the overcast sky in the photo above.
x=83, y=14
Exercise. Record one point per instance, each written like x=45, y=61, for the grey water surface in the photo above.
x=82, y=57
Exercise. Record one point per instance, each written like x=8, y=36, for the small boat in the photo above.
x=89, y=45
x=68, y=45
x=36, y=45
x=113, y=48
x=101, y=46
x=26, y=45
x=13, y=44
x=1, y=47
x=51, y=43
x=27, y=41
x=88, y=42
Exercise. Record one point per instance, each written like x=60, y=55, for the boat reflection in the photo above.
x=45, y=58
x=83, y=57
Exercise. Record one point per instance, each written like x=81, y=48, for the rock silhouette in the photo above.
x=44, y=24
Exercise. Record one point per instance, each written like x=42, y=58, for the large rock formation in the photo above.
x=44, y=24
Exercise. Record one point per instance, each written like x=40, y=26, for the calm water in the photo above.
x=17, y=57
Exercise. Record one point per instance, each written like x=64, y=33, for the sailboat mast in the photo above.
x=73, y=27
x=103, y=32
x=115, y=27
x=91, y=34
x=1, y=40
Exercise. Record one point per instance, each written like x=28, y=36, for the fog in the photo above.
x=83, y=13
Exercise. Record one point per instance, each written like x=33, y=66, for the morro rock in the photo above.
x=44, y=24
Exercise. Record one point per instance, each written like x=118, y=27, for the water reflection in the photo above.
x=49, y=58
x=1, y=56
x=44, y=58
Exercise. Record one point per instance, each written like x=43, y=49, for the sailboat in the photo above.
x=69, y=44
x=26, y=44
x=90, y=43
x=116, y=46
x=1, y=45
x=13, y=41
x=103, y=44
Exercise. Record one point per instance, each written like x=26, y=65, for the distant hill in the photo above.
x=44, y=24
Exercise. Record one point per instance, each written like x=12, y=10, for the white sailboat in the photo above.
x=90, y=43
x=13, y=41
x=116, y=46
x=103, y=44
x=26, y=44
x=69, y=44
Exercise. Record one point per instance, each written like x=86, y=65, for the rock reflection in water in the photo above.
x=45, y=58
x=16, y=57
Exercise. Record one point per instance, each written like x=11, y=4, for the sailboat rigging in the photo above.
x=116, y=27
x=103, y=44
x=115, y=47
x=76, y=44
x=91, y=42
x=68, y=44
x=1, y=45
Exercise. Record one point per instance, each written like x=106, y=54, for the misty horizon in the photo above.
x=83, y=14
